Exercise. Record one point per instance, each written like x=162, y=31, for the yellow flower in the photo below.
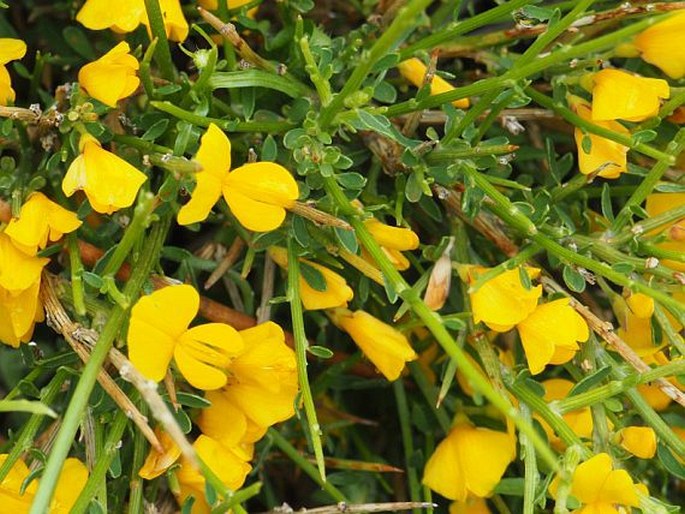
x=157, y=463
x=606, y=158
x=257, y=193
x=228, y=465
x=71, y=481
x=640, y=441
x=470, y=506
x=550, y=334
x=470, y=461
x=263, y=378
x=112, y=77
x=19, y=287
x=634, y=316
x=385, y=346
x=599, y=487
x=503, y=301
x=110, y=183
x=126, y=15
x=202, y=353
x=241, y=431
x=579, y=420
x=621, y=95
x=393, y=241
x=414, y=71
x=40, y=220
x=658, y=203
x=10, y=50
x=662, y=45
x=336, y=294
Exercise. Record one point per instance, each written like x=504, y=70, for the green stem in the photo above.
x=530, y=463
x=162, y=52
x=79, y=400
x=398, y=29
x=323, y=87
x=301, y=345
x=674, y=148
x=587, y=126
x=407, y=443
x=76, y=275
x=646, y=226
x=434, y=324
x=140, y=446
x=673, y=336
x=429, y=393
x=304, y=465
x=97, y=475
x=449, y=155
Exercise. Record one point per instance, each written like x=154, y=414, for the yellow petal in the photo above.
x=641, y=305
x=18, y=271
x=153, y=334
x=580, y=421
x=503, y=301
x=157, y=463
x=443, y=472
x=110, y=183
x=382, y=344
x=40, y=219
x=11, y=49
x=175, y=24
x=18, y=313
x=10, y=487
x=470, y=506
x=71, y=481
x=112, y=77
x=207, y=191
x=662, y=44
x=223, y=461
x=415, y=71
x=263, y=380
x=658, y=203
x=263, y=182
x=640, y=441
x=212, y=420
x=606, y=158
x=124, y=15
x=396, y=238
x=337, y=292
x=203, y=354
x=7, y=94
x=621, y=95
x=254, y=215
x=214, y=154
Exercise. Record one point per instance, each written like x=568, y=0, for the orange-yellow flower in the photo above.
x=385, y=346
x=470, y=461
x=503, y=301
x=257, y=193
x=112, y=77
x=40, y=220
x=640, y=441
x=336, y=294
x=621, y=95
x=126, y=15
x=393, y=241
x=156, y=462
x=599, y=487
x=10, y=50
x=110, y=183
x=550, y=334
x=580, y=421
x=202, y=353
x=605, y=157
x=414, y=71
x=71, y=481
x=662, y=45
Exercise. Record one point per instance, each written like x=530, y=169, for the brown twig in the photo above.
x=229, y=260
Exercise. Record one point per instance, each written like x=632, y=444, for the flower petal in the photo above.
x=72, y=479
x=207, y=191
x=214, y=154
x=124, y=15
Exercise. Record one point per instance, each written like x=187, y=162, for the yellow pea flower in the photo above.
x=620, y=95
x=393, y=241
x=71, y=481
x=414, y=71
x=202, y=353
x=126, y=15
x=503, y=301
x=662, y=45
x=634, y=316
x=550, y=334
x=336, y=294
x=599, y=487
x=40, y=220
x=230, y=466
x=10, y=50
x=257, y=193
x=157, y=463
x=20, y=307
x=579, y=420
x=385, y=346
x=110, y=183
x=640, y=441
x=112, y=77
x=470, y=461
x=241, y=431
x=606, y=158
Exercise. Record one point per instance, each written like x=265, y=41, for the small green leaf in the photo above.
x=320, y=351
x=192, y=400
x=573, y=279
x=607, y=208
x=590, y=381
x=623, y=267
x=313, y=277
x=347, y=238
x=351, y=180
x=156, y=130
x=92, y=279
x=26, y=406
x=672, y=465
x=586, y=144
